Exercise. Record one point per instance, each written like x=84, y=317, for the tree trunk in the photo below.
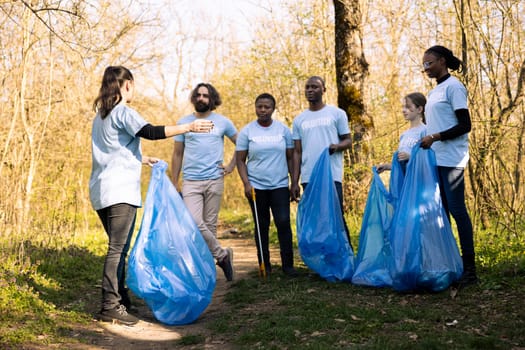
x=351, y=70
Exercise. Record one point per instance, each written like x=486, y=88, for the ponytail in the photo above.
x=452, y=61
x=109, y=94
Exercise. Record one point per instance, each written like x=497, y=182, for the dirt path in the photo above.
x=150, y=334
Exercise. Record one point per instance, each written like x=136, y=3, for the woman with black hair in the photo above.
x=448, y=125
x=264, y=152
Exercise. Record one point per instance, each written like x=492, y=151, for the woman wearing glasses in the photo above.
x=448, y=125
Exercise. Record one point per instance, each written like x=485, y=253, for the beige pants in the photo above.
x=203, y=200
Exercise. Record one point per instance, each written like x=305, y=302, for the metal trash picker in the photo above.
x=262, y=268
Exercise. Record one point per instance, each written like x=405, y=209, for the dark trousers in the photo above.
x=339, y=189
x=452, y=186
x=118, y=221
x=278, y=201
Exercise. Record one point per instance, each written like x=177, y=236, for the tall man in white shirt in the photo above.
x=315, y=129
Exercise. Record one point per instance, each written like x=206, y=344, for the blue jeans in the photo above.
x=278, y=201
x=119, y=222
x=452, y=186
x=339, y=189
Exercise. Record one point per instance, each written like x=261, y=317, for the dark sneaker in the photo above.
x=226, y=264
x=126, y=301
x=118, y=315
x=290, y=272
x=467, y=279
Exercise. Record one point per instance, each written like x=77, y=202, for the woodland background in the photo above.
x=53, y=54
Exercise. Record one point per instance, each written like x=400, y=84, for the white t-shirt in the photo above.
x=317, y=130
x=204, y=152
x=410, y=137
x=442, y=102
x=116, y=158
x=266, y=162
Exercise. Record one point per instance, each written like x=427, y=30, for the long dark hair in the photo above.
x=451, y=61
x=215, y=98
x=109, y=94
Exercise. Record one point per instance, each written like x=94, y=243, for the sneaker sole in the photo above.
x=112, y=320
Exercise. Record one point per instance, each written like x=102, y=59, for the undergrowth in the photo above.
x=49, y=294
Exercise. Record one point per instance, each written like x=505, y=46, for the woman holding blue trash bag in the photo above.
x=114, y=185
x=448, y=125
x=406, y=241
x=414, y=112
x=264, y=151
x=372, y=262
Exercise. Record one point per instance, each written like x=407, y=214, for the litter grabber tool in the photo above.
x=262, y=268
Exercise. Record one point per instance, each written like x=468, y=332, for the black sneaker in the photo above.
x=226, y=264
x=118, y=315
x=467, y=279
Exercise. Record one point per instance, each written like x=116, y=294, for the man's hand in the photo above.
x=382, y=167
x=227, y=169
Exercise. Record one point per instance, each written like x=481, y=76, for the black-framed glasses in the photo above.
x=427, y=64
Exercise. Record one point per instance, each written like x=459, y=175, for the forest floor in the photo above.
x=152, y=335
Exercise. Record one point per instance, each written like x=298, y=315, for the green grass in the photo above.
x=49, y=294
x=308, y=312
x=191, y=340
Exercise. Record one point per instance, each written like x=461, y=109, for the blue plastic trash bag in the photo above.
x=321, y=235
x=373, y=254
x=397, y=178
x=170, y=265
x=425, y=253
